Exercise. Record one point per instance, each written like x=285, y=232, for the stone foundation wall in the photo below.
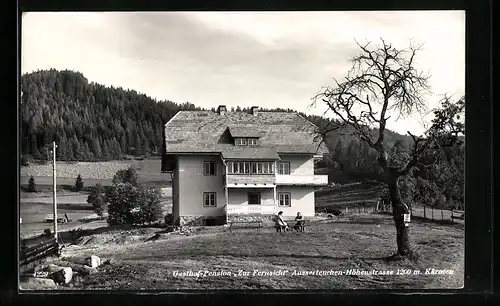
x=200, y=220
x=250, y=217
x=219, y=220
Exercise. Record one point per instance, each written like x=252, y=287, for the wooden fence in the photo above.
x=431, y=213
x=41, y=250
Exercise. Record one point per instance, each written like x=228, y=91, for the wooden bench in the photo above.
x=292, y=225
x=245, y=224
x=28, y=254
x=460, y=214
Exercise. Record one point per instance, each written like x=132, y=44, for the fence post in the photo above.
x=432, y=212
x=425, y=215
x=442, y=216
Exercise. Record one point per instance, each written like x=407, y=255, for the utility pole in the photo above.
x=54, y=187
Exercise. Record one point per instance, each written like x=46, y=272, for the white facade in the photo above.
x=230, y=193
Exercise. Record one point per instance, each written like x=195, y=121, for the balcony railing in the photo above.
x=251, y=179
x=313, y=180
x=251, y=209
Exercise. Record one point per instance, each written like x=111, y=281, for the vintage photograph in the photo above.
x=242, y=150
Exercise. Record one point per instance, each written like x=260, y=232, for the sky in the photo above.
x=266, y=59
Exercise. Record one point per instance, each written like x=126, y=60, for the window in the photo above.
x=265, y=168
x=209, y=168
x=284, y=199
x=283, y=167
x=245, y=141
x=250, y=167
x=209, y=199
x=252, y=141
x=254, y=198
x=254, y=167
x=240, y=141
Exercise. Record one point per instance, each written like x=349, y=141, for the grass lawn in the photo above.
x=360, y=242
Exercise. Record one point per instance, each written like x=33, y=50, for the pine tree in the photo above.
x=77, y=152
x=31, y=184
x=86, y=154
x=96, y=148
x=138, y=147
x=124, y=144
x=62, y=148
x=79, y=183
x=105, y=150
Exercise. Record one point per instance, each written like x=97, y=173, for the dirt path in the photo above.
x=61, y=199
x=131, y=250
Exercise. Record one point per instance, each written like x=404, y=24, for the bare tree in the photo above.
x=384, y=83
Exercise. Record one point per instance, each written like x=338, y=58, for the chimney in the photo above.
x=221, y=110
x=255, y=110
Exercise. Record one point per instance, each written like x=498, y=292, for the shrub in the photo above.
x=148, y=203
x=129, y=176
x=129, y=204
x=31, y=184
x=24, y=161
x=97, y=198
x=47, y=232
x=169, y=219
x=79, y=183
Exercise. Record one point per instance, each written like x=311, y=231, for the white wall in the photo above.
x=299, y=165
x=192, y=185
x=239, y=196
x=302, y=201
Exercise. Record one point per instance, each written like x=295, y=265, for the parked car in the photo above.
x=61, y=218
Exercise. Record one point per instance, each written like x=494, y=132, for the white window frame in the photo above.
x=209, y=163
x=246, y=167
x=252, y=141
x=211, y=198
x=240, y=141
x=282, y=167
x=283, y=197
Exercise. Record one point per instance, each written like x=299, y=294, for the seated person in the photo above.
x=280, y=224
x=299, y=225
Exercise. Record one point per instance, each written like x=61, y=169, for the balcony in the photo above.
x=251, y=209
x=306, y=180
x=250, y=180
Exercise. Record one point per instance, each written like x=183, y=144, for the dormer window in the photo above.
x=240, y=141
x=252, y=141
x=245, y=141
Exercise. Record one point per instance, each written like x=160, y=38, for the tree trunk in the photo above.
x=398, y=211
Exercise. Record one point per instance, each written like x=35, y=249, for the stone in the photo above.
x=52, y=268
x=110, y=261
x=37, y=284
x=63, y=276
x=82, y=269
x=93, y=261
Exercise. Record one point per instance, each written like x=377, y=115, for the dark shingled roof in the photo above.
x=250, y=153
x=205, y=132
x=246, y=131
